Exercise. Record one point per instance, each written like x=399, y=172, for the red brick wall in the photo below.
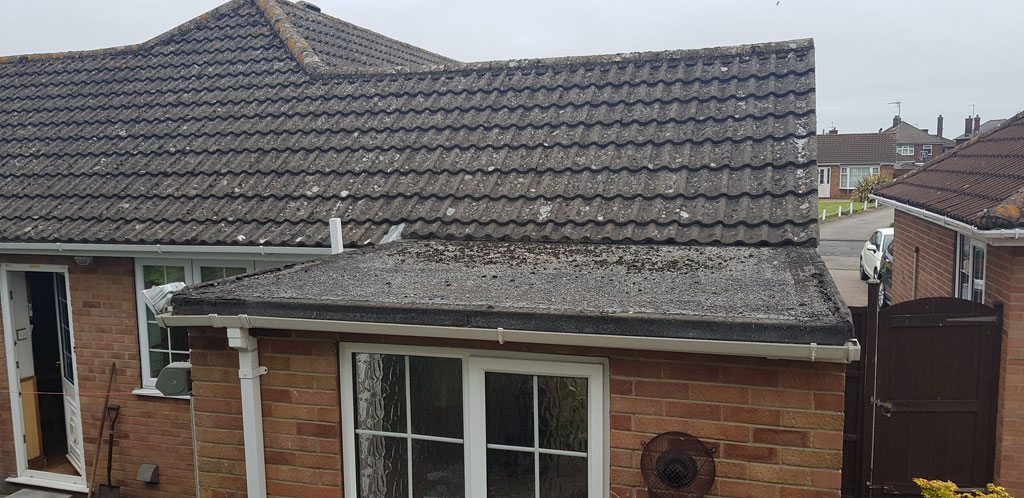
x=1005, y=283
x=777, y=425
x=936, y=247
x=149, y=430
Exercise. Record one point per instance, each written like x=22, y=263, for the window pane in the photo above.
x=179, y=338
x=509, y=400
x=438, y=469
x=157, y=335
x=380, y=392
x=157, y=362
x=563, y=413
x=383, y=467
x=510, y=474
x=153, y=276
x=232, y=271
x=435, y=395
x=208, y=273
x=175, y=274
x=179, y=356
x=563, y=476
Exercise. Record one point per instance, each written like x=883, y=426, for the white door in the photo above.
x=824, y=183
x=72, y=409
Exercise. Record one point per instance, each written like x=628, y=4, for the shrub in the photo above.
x=947, y=489
x=867, y=186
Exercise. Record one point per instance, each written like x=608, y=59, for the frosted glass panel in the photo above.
x=509, y=400
x=436, y=396
x=563, y=476
x=380, y=392
x=383, y=471
x=510, y=474
x=437, y=470
x=563, y=413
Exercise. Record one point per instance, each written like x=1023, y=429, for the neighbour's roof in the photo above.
x=257, y=122
x=907, y=133
x=986, y=126
x=980, y=182
x=857, y=148
x=763, y=294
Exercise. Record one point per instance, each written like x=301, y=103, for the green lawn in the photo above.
x=832, y=208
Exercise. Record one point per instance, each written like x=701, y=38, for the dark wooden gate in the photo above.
x=925, y=400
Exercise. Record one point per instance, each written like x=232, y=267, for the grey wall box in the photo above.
x=149, y=472
x=175, y=379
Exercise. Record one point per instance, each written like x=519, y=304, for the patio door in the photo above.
x=824, y=183
x=72, y=409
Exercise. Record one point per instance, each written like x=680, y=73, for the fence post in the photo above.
x=824, y=212
x=840, y=213
x=851, y=207
x=865, y=204
x=876, y=202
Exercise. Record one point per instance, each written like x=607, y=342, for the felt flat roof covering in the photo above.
x=761, y=294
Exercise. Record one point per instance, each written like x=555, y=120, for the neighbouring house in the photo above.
x=915, y=146
x=959, y=221
x=974, y=127
x=844, y=159
x=628, y=239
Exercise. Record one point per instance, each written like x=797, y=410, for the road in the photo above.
x=839, y=246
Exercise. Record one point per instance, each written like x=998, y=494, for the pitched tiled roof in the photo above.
x=259, y=121
x=857, y=148
x=907, y=133
x=980, y=182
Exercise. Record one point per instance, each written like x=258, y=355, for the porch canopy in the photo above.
x=780, y=295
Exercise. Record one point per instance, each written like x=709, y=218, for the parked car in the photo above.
x=885, y=276
x=871, y=255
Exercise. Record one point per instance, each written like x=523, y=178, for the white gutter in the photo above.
x=126, y=250
x=997, y=237
x=249, y=372
x=846, y=353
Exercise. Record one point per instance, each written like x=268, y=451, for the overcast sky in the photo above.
x=936, y=56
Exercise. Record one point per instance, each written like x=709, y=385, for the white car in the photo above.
x=871, y=256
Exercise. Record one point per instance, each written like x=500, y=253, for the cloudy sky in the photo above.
x=936, y=56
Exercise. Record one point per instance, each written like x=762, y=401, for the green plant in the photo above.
x=948, y=489
x=867, y=186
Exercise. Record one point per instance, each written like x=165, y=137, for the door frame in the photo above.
x=828, y=176
x=26, y=475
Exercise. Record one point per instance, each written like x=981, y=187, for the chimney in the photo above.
x=938, y=127
x=977, y=124
x=896, y=120
x=833, y=131
x=967, y=126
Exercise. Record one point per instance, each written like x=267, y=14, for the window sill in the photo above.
x=149, y=391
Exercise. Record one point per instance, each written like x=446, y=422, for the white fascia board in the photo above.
x=139, y=250
x=997, y=237
x=846, y=353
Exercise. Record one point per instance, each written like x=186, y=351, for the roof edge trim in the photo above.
x=995, y=236
x=846, y=353
x=177, y=30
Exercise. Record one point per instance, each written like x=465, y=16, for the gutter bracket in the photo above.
x=247, y=373
x=215, y=321
x=814, y=351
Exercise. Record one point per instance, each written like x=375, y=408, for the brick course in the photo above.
x=936, y=247
x=149, y=429
x=776, y=425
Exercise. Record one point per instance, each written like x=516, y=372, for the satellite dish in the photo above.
x=677, y=465
x=159, y=297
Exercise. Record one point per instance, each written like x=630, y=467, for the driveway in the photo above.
x=839, y=245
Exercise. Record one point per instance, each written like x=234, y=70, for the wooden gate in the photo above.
x=925, y=397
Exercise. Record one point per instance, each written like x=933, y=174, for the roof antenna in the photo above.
x=899, y=107
x=972, y=111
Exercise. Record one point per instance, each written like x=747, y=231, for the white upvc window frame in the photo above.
x=192, y=272
x=844, y=175
x=901, y=150
x=475, y=365
x=926, y=150
x=974, y=284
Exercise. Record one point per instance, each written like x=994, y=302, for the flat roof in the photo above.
x=731, y=293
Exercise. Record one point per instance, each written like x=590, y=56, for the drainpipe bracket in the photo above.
x=246, y=373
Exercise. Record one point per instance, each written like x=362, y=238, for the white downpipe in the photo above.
x=249, y=372
x=337, y=243
x=845, y=353
x=997, y=237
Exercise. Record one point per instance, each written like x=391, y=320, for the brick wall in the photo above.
x=936, y=248
x=1005, y=283
x=149, y=430
x=777, y=425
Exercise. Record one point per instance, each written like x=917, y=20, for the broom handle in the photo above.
x=99, y=437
